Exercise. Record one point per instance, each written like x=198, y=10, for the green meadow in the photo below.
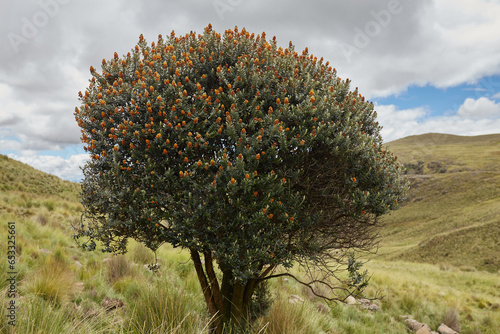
x=438, y=259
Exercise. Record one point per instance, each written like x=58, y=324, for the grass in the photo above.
x=52, y=281
x=450, y=217
x=439, y=261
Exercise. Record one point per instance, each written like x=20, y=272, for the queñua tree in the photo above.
x=249, y=155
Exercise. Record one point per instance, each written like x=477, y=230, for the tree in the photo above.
x=246, y=154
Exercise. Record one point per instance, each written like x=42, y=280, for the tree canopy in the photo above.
x=241, y=151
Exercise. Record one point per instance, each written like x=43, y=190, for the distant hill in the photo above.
x=445, y=139
x=24, y=190
x=452, y=215
x=17, y=176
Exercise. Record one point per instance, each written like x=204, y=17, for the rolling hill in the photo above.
x=452, y=215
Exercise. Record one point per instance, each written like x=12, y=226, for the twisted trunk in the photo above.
x=227, y=303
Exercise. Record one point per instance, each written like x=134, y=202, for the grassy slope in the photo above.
x=58, y=295
x=453, y=212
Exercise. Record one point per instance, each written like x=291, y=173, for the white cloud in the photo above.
x=398, y=123
x=480, y=108
x=402, y=123
x=439, y=43
x=442, y=43
x=42, y=125
x=67, y=169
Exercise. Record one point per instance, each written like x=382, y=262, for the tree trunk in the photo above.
x=207, y=292
x=227, y=304
x=237, y=304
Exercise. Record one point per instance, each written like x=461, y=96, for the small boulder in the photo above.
x=414, y=325
x=373, y=307
x=351, y=300
x=368, y=305
x=443, y=329
x=424, y=330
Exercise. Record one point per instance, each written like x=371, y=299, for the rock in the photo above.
x=78, y=264
x=368, y=305
x=414, y=325
x=443, y=329
x=351, y=300
x=45, y=251
x=374, y=308
x=111, y=303
x=424, y=330
x=294, y=299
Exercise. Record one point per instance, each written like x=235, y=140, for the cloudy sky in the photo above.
x=428, y=65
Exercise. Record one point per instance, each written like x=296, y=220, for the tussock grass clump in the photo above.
x=53, y=282
x=129, y=287
x=42, y=219
x=165, y=308
x=117, y=267
x=37, y=315
x=50, y=205
x=285, y=317
x=451, y=319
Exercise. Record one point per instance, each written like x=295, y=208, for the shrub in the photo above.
x=246, y=154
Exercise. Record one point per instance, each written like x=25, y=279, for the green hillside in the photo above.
x=452, y=215
x=16, y=176
x=450, y=219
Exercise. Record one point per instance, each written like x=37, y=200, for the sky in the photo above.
x=429, y=66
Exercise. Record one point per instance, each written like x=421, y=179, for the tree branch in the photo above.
x=310, y=286
x=205, y=286
x=214, y=283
